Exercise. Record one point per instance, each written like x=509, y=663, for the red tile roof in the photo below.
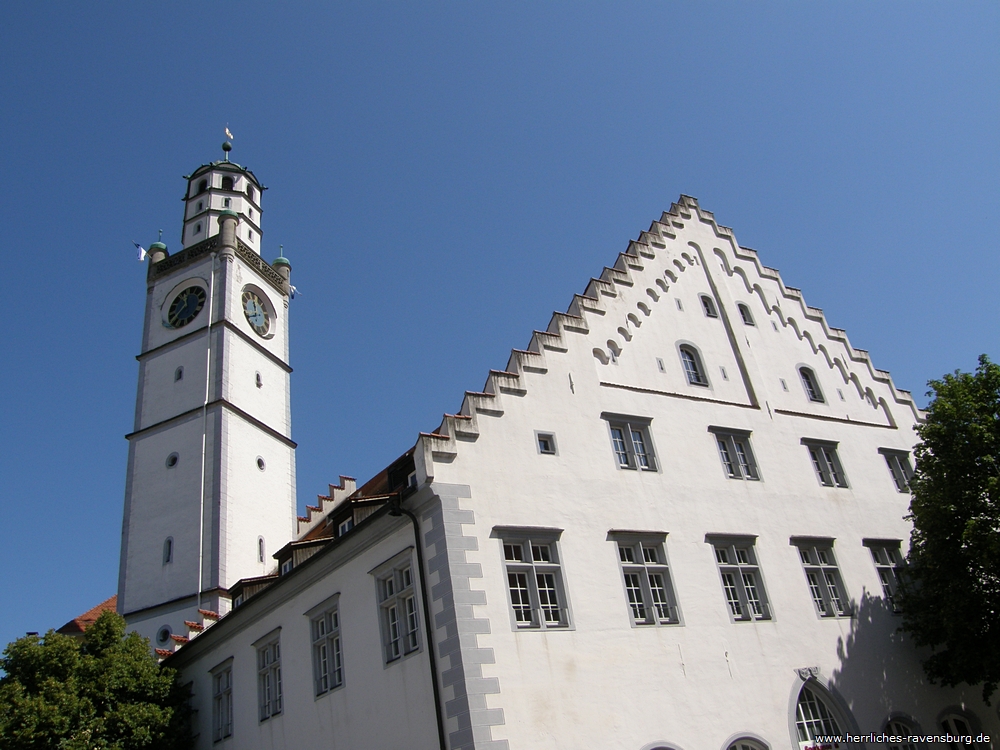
x=77, y=625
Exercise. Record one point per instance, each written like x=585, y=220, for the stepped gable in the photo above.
x=643, y=274
x=316, y=513
x=78, y=625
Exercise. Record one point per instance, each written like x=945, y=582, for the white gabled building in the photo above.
x=673, y=521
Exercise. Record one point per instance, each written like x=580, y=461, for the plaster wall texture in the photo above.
x=604, y=682
x=380, y=705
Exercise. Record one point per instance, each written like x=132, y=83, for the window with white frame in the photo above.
x=534, y=578
x=811, y=384
x=813, y=716
x=693, y=369
x=899, y=467
x=888, y=562
x=648, y=588
x=823, y=577
x=734, y=451
x=709, y=306
x=222, y=701
x=269, y=677
x=826, y=462
x=747, y=744
x=630, y=442
x=328, y=663
x=745, y=314
x=960, y=729
x=546, y=442
x=398, y=616
x=741, y=580
x=901, y=730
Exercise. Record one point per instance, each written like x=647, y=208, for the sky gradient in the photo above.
x=444, y=176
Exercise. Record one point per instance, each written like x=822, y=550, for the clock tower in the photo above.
x=210, y=489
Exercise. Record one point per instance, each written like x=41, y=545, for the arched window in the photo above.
x=227, y=183
x=168, y=550
x=202, y=186
x=709, y=306
x=747, y=743
x=197, y=228
x=745, y=314
x=260, y=549
x=692, y=366
x=811, y=385
x=250, y=192
x=899, y=728
x=956, y=724
x=178, y=374
x=813, y=717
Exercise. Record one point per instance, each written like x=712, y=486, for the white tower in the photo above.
x=210, y=489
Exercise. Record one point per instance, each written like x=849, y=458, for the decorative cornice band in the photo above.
x=842, y=420
x=245, y=253
x=225, y=405
x=684, y=396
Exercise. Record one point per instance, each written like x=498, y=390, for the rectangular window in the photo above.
x=328, y=662
x=534, y=578
x=734, y=451
x=546, y=442
x=269, y=679
x=398, y=607
x=631, y=443
x=823, y=577
x=899, y=467
x=741, y=580
x=222, y=702
x=648, y=588
x=888, y=563
x=826, y=462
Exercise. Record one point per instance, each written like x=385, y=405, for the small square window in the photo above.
x=546, y=442
x=534, y=578
x=888, y=564
x=826, y=462
x=631, y=443
x=648, y=589
x=734, y=450
x=899, y=467
x=823, y=577
x=741, y=580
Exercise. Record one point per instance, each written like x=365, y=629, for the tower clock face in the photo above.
x=256, y=312
x=185, y=307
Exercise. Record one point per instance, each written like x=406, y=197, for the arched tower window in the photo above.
x=747, y=743
x=709, y=305
x=813, y=716
x=250, y=192
x=745, y=314
x=811, y=385
x=197, y=228
x=260, y=549
x=692, y=366
x=168, y=550
x=202, y=186
x=178, y=374
x=227, y=183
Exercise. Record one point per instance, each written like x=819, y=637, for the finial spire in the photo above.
x=281, y=251
x=159, y=237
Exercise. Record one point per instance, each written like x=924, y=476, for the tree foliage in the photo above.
x=951, y=596
x=106, y=692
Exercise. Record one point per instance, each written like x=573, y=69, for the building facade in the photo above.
x=673, y=521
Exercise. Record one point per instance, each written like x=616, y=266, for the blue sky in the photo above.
x=443, y=177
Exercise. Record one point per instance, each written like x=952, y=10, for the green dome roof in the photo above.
x=281, y=261
x=158, y=246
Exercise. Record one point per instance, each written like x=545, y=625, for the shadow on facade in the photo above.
x=880, y=673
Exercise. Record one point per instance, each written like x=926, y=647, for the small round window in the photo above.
x=260, y=463
x=163, y=635
x=172, y=460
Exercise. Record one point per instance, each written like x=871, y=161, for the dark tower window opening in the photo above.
x=202, y=186
x=168, y=550
x=250, y=193
x=227, y=183
x=178, y=374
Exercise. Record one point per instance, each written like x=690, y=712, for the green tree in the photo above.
x=951, y=592
x=104, y=692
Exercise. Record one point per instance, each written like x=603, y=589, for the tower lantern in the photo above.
x=217, y=187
